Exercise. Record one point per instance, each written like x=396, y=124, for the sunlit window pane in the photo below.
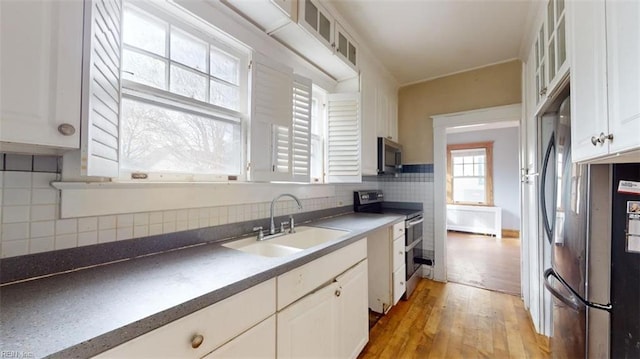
x=144, y=69
x=188, y=83
x=457, y=170
x=468, y=190
x=156, y=139
x=143, y=32
x=224, y=95
x=224, y=66
x=188, y=50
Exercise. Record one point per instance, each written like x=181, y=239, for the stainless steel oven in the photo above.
x=413, y=250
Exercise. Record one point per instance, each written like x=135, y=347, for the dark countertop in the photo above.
x=83, y=313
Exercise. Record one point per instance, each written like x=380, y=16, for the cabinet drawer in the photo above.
x=298, y=282
x=399, y=285
x=258, y=342
x=398, y=253
x=217, y=324
x=398, y=230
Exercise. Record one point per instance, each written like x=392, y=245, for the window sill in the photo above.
x=82, y=199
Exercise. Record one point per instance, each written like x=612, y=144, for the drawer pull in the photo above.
x=338, y=292
x=196, y=341
x=401, y=253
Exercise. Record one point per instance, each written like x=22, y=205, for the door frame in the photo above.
x=440, y=125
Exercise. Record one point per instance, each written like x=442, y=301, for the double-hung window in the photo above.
x=469, y=173
x=184, y=97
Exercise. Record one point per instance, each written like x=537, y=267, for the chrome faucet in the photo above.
x=272, y=228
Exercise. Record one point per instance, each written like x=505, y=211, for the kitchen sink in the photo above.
x=307, y=237
x=288, y=244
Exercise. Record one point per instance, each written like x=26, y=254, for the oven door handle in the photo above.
x=413, y=245
x=413, y=223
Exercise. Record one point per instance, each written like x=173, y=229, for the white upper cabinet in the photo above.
x=315, y=19
x=605, y=79
x=40, y=67
x=623, y=71
x=550, y=51
x=556, y=43
x=346, y=48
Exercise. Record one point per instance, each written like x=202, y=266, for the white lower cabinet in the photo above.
x=331, y=322
x=258, y=342
x=386, y=254
x=320, y=310
x=201, y=332
x=399, y=285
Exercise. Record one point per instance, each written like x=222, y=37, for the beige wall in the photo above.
x=495, y=85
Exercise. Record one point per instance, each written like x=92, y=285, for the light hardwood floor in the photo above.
x=455, y=321
x=484, y=261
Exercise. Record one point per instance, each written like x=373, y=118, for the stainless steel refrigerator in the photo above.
x=595, y=273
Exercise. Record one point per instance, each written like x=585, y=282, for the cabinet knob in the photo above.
x=196, y=341
x=66, y=129
x=401, y=283
x=338, y=292
x=401, y=252
x=601, y=139
x=543, y=91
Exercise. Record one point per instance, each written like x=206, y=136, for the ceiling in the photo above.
x=417, y=40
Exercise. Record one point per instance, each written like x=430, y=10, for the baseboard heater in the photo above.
x=475, y=219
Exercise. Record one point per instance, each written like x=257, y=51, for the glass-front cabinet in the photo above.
x=556, y=41
x=313, y=17
x=551, y=51
x=346, y=48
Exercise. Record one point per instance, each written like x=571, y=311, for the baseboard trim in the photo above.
x=510, y=233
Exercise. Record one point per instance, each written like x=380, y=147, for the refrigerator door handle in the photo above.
x=576, y=301
x=548, y=226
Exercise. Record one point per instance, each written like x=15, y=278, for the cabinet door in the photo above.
x=588, y=78
x=41, y=58
x=398, y=253
x=379, y=245
x=541, y=73
x=345, y=47
x=315, y=19
x=307, y=328
x=399, y=286
x=353, y=317
x=623, y=59
x=257, y=342
x=556, y=43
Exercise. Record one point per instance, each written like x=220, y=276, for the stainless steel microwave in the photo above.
x=389, y=156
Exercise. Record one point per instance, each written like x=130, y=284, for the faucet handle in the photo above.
x=282, y=226
x=292, y=226
x=260, y=233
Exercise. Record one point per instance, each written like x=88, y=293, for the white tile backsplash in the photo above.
x=31, y=224
x=13, y=231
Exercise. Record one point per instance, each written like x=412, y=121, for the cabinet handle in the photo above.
x=401, y=283
x=196, y=341
x=338, y=292
x=66, y=129
x=601, y=139
x=543, y=91
x=401, y=252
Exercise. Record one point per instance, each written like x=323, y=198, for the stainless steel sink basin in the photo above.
x=288, y=244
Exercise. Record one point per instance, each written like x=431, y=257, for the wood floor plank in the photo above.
x=455, y=321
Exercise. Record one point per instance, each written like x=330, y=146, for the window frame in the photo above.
x=488, y=173
x=185, y=22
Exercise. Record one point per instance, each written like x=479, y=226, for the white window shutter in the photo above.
x=271, y=119
x=343, y=138
x=101, y=88
x=301, y=135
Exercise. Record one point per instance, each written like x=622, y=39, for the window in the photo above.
x=184, y=97
x=469, y=173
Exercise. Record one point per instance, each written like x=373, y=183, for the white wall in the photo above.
x=506, y=181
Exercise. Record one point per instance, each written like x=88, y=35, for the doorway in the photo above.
x=483, y=206
x=464, y=121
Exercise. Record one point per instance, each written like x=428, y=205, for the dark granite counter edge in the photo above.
x=123, y=334
x=19, y=268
